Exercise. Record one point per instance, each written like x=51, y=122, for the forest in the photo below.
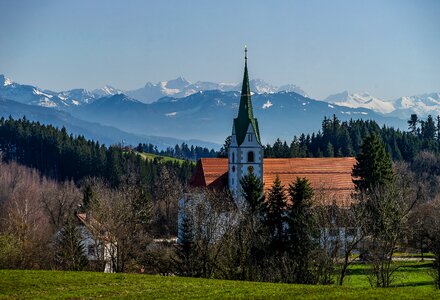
x=182, y=151
x=344, y=138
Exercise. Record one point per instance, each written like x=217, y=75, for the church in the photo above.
x=245, y=154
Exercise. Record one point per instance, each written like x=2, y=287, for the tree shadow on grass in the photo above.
x=426, y=265
x=413, y=284
x=357, y=271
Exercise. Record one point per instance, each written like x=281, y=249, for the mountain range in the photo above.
x=422, y=105
x=92, y=130
x=201, y=111
x=208, y=115
x=403, y=107
x=181, y=87
x=177, y=88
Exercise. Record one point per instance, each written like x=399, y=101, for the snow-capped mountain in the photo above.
x=151, y=92
x=106, y=91
x=5, y=81
x=177, y=88
x=78, y=96
x=203, y=115
x=291, y=88
x=30, y=94
x=64, y=100
x=422, y=105
x=403, y=107
x=180, y=88
x=207, y=115
x=361, y=100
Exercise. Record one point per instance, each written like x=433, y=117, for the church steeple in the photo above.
x=245, y=153
x=245, y=111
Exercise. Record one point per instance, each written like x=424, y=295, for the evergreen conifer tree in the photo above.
x=184, y=260
x=88, y=196
x=70, y=252
x=276, y=214
x=252, y=192
x=302, y=233
x=412, y=124
x=142, y=208
x=374, y=166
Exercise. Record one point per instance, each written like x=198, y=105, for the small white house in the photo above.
x=99, y=246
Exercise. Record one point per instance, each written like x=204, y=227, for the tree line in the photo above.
x=61, y=156
x=182, y=151
x=344, y=138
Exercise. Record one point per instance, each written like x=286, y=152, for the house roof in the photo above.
x=332, y=175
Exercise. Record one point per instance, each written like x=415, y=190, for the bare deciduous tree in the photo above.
x=112, y=220
x=385, y=210
x=167, y=191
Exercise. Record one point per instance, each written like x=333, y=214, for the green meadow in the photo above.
x=413, y=281
x=151, y=156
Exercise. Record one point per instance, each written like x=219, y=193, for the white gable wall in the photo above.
x=238, y=160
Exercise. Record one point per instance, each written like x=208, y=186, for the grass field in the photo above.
x=162, y=158
x=412, y=282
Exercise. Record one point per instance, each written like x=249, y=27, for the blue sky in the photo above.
x=388, y=48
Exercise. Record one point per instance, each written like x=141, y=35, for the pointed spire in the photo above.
x=245, y=111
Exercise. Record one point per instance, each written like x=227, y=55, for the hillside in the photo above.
x=160, y=158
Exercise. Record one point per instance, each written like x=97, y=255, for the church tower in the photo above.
x=246, y=151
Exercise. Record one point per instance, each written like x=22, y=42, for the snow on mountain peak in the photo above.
x=180, y=87
x=40, y=93
x=423, y=104
x=4, y=81
x=7, y=82
x=106, y=90
x=292, y=88
x=361, y=99
x=178, y=83
x=267, y=104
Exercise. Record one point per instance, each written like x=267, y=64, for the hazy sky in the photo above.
x=389, y=48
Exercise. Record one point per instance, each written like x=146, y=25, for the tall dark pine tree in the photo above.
x=70, y=252
x=412, y=124
x=142, y=207
x=438, y=130
x=88, y=196
x=373, y=167
x=184, y=261
x=302, y=233
x=252, y=192
x=381, y=209
x=225, y=148
x=276, y=214
x=255, y=233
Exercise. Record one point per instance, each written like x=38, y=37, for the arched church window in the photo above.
x=250, y=156
x=233, y=157
x=250, y=137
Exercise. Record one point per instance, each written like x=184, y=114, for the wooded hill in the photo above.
x=61, y=156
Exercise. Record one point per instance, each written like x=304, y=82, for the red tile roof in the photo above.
x=211, y=172
x=333, y=175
